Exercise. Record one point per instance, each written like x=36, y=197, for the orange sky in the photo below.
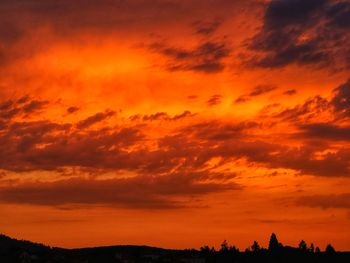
x=175, y=123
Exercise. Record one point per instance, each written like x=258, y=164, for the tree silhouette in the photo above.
x=224, y=246
x=255, y=247
x=330, y=249
x=312, y=248
x=303, y=246
x=274, y=244
x=205, y=249
x=12, y=250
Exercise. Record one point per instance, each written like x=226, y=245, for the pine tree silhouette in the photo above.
x=255, y=247
x=274, y=244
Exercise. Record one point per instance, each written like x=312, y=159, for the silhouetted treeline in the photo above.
x=276, y=252
x=12, y=250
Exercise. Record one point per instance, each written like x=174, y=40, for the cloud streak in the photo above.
x=207, y=57
x=140, y=192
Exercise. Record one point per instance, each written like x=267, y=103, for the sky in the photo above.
x=175, y=123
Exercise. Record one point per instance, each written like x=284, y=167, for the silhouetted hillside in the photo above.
x=13, y=250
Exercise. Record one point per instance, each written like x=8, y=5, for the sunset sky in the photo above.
x=175, y=123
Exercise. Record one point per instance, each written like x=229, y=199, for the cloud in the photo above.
x=302, y=32
x=281, y=13
x=22, y=107
x=217, y=131
x=45, y=145
x=214, y=100
x=161, y=116
x=257, y=91
x=49, y=146
x=290, y=92
x=140, y=192
x=325, y=131
x=335, y=109
x=339, y=14
x=111, y=14
x=310, y=109
x=34, y=105
x=325, y=201
x=207, y=57
x=48, y=23
x=261, y=89
x=242, y=99
x=341, y=99
x=98, y=117
x=206, y=28
x=37, y=146
x=72, y=109
x=304, y=161
x=23, y=99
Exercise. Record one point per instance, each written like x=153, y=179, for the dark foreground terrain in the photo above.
x=12, y=250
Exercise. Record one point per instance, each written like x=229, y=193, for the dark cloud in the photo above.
x=44, y=145
x=206, y=28
x=140, y=192
x=261, y=89
x=163, y=179
x=300, y=159
x=10, y=113
x=305, y=115
x=156, y=116
x=206, y=57
x=326, y=131
x=339, y=15
x=302, y=32
x=185, y=114
x=257, y=91
x=22, y=107
x=290, y=92
x=23, y=99
x=282, y=13
x=214, y=130
x=303, y=160
x=98, y=117
x=341, y=99
x=72, y=109
x=310, y=109
x=214, y=100
x=33, y=146
x=242, y=99
x=161, y=116
x=325, y=201
x=203, y=141
x=34, y=105
x=6, y=105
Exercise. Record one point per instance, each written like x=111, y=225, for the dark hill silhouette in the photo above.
x=13, y=251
